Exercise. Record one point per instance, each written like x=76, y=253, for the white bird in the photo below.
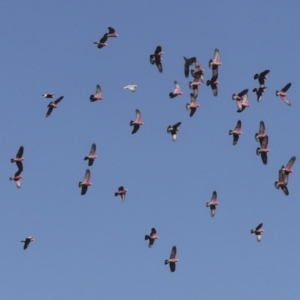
x=130, y=87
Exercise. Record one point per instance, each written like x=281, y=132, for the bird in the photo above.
x=283, y=94
x=130, y=87
x=261, y=77
x=194, y=85
x=92, y=156
x=213, y=203
x=259, y=92
x=258, y=231
x=261, y=133
x=236, y=132
x=288, y=168
x=97, y=95
x=173, y=130
x=173, y=260
x=239, y=96
x=52, y=105
x=198, y=73
x=102, y=42
x=213, y=82
x=17, y=178
x=137, y=122
x=282, y=182
x=215, y=63
x=151, y=237
x=193, y=105
x=177, y=91
x=86, y=182
x=19, y=158
x=263, y=150
x=156, y=58
x=48, y=95
x=111, y=32
x=122, y=192
x=187, y=63
x=27, y=241
x=243, y=104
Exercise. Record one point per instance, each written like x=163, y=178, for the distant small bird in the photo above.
x=263, y=150
x=213, y=82
x=86, y=182
x=173, y=260
x=236, y=132
x=122, y=192
x=187, y=63
x=27, y=241
x=198, y=73
x=48, y=95
x=243, y=104
x=92, y=156
x=261, y=77
x=258, y=231
x=173, y=130
x=261, y=133
x=151, y=237
x=288, y=168
x=17, y=178
x=194, y=85
x=156, y=58
x=259, y=92
x=213, y=203
x=215, y=62
x=193, y=105
x=52, y=105
x=282, y=182
x=18, y=159
x=177, y=90
x=137, y=122
x=111, y=32
x=102, y=42
x=97, y=95
x=130, y=87
x=283, y=94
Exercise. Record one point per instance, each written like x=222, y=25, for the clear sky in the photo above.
x=92, y=246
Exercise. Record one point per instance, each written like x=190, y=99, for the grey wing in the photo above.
x=262, y=127
x=87, y=175
x=59, y=99
x=93, y=149
x=49, y=111
x=238, y=124
x=98, y=89
x=172, y=266
x=286, y=87
x=173, y=252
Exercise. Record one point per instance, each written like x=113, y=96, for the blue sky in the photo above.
x=92, y=246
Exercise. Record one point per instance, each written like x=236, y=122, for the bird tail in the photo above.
x=257, y=151
x=92, y=97
x=207, y=204
x=208, y=82
x=256, y=76
x=190, y=84
x=276, y=185
x=79, y=184
x=230, y=132
x=277, y=93
x=131, y=123
x=256, y=137
x=187, y=106
x=12, y=160
x=252, y=231
x=116, y=194
x=147, y=237
x=166, y=262
x=210, y=63
x=171, y=95
x=11, y=178
x=86, y=158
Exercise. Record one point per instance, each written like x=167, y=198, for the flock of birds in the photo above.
x=241, y=99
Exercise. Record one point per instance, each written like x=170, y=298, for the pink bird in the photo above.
x=282, y=182
x=258, y=231
x=262, y=131
x=283, y=94
x=193, y=105
x=173, y=260
x=102, y=42
x=263, y=150
x=52, y=105
x=152, y=237
x=177, y=90
x=27, y=241
x=213, y=203
x=92, y=156
x=288, y=168
x=137, y=122
x=122, y=192
x=18, y=159
x=242, y=100
x=215, y=62
x=111, y=32
x=98, y=94
x=198, y=73
x=48, y=95
x=194, y=85
x=17, y=178
x=85, y=183
x=236, y=132
x=173, y=130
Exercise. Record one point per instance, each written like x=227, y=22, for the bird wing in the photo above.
x=111, y=30
x=176, y=125
x=93, y=149
x=58, y=100
x=20, y=166
x=20, y=152
x=214, y=197
x=286, y=87
x=153, y=231
x=98, y=89
x=173, y=252
x=104, y=38
x=84, y=189
x=264, y=142
x=172, y=266
x=87, y=176
x=176, y=87
x=216, y=56
x=238, y=125
x=158, y=50
x=291, y=162
x=138, y=115
x=259, y=226
x=243, y=92
x=121, y=188
x=49, y=111
x=262, y=127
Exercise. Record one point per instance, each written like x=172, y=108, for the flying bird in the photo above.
x=92, y=156
x=48, y=95
x=194, y=85
x=177, y=90
x=86, y=182
x=262, y=131
x=261, y=77
x=27, y=241
x=198, y=73
x=156, y=58
x=215, y=63
x=263, y=150
x=173, y=260
x=111, y=32
x=236, y=132
x=17, y=178
x=282, y=182
x=239, y=96
x=187, y=63
x=97, y=95
x=283, y=94
x=18, y=159
x=173, y=130
x=259, y=92
x=213, y=203
x=243, y=104
x=193, y=105
x=52, y=105
x=122, y=192
x=213, y=82
x=102, y=42
x=137, y=122
x=288, y=168
x=258, y=231
x=151, y=237
x=130, y=87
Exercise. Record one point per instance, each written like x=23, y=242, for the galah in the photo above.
x=236, y=132
x=288, y=168
x=258, y=231
x=173, y=260
x=259, y=92
x=102, y=42
x=213, y=82
x=97, y=95
x=151, y=237
x=92, y=156
x=86, y=182
x=215, y=62
x=18, y=159
x=194, y=85
x=263, y=150
x=177, y=90
x=261, y=77
x=111, y=32
x=48, y=95
x=122, y=192
x=52, y=105
x=198, y=73
x=27, y=241
x=283, y=94
x=282, y=181
x=17, y=178
x=187, y=63
x=262, y=131
x=137, y=122
x=173, y=130
x=156, y=58
x=130, y=87
x=243, y=104
x=193, y=105
x=213, y=203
